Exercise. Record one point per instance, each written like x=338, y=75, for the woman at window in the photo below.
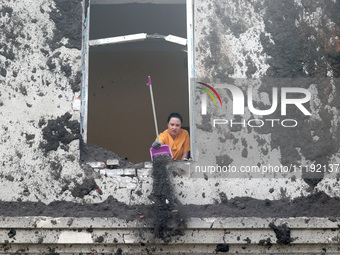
x=176, y=137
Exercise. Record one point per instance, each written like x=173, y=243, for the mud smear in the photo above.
x=68, y=20
x=316, y=205
x=293, y=54
x=301, y=140
x=222, y=248
x=59, y=131
x=81, y=190
x=216, y=62
x=12, y=233
x=282, y=233
x=266, y=242
x=12, y=30
x=168, y=219
x=297, y=51
x=76, y=82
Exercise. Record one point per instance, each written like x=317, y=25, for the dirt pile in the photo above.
x=315, y=205
x=168, y=219
x=90, y=152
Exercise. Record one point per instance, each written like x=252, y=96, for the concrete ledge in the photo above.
x=192, y=223
x=202, y=235
x=143, y=248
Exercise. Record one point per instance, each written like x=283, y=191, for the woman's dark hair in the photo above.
x=175, y=115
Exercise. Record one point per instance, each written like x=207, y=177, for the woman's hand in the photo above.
x=156, y=144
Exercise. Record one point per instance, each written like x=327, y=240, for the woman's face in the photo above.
x=174, y=126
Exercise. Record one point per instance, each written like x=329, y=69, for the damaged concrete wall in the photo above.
x=41, y=74
x=40, y=62
x=40, y=77
x=43, y=173
x=43, y=170
x=41, y=71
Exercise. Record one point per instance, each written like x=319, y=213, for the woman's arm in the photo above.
x=185, y=155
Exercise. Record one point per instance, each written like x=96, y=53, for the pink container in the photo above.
x=163, y=150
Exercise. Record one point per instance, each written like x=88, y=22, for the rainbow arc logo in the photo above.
x=204, y=96
x=209, y=93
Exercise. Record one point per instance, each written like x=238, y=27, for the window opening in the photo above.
x=128, y=42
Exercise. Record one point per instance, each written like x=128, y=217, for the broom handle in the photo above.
x=153, y=108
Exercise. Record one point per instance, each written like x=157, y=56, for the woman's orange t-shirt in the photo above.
x=179, y=145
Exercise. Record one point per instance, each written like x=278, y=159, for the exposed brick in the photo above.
x=130, y=172
x=96, y=164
